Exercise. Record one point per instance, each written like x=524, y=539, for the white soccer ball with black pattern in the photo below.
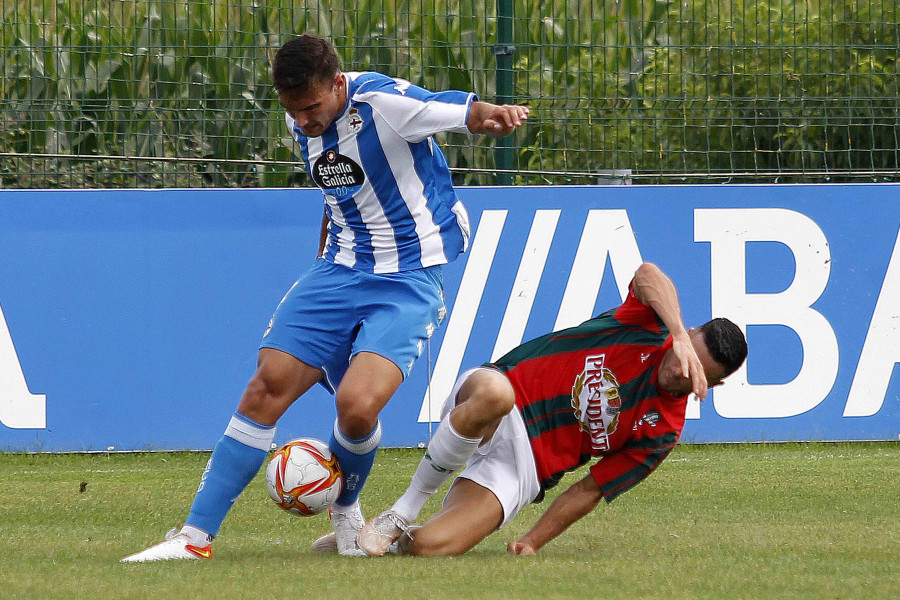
x=303, y=477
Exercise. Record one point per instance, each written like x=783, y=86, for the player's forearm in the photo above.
x=654, y=289
x=571, y=505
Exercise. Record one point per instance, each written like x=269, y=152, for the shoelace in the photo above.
x=400, y=523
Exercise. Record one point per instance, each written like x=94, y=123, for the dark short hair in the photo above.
x=303, y=61
x=726, y=343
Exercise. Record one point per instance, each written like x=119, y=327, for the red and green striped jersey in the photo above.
x=591, y=390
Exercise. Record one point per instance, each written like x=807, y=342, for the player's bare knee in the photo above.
x=493, y=392
x=357, y=416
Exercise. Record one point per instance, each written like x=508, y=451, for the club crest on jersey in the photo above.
x=650, y=418
x=354, y=121
x=337, y=175
x=595, y=398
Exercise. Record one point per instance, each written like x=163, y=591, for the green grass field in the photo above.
x=740, y=521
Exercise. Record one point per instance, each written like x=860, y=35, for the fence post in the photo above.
x=504, y=50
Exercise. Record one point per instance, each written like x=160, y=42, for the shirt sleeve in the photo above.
x=635, y=312
x=623, y=469
x=416, y=113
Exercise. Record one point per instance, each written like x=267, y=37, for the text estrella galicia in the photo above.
x=337, y=174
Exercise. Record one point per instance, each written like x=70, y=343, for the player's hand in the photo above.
x=521, y=548
x=496, y=121
x=691, y=367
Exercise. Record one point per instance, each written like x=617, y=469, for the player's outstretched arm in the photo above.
x=653, y=288
x=494, y=120
x=571, y=505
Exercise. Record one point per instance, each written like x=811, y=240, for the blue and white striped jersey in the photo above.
x=388, y=192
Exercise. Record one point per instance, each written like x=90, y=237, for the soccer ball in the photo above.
x=304, y=477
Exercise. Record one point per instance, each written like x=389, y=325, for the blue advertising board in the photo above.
x=130, y=319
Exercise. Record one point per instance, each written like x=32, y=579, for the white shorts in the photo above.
x=505, y=464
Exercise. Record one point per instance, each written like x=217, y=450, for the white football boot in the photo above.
x=346, y=523
x=176, y=547
x=326, y=543
x=376, y=536
x=403, y=543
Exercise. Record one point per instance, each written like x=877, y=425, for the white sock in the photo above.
x=447, y=452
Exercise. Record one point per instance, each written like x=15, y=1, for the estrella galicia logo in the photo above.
x=337, y=174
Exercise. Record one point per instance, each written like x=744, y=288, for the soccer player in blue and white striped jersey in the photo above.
x=390, y=203
x=359, y=317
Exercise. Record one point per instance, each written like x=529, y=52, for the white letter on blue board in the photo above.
x=19, y=408
x=531, y=268
x=462, y=317
x=881, y=351
x=606, y=233
x=728, y=230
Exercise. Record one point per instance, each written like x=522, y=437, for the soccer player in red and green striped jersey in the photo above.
x=614, y=387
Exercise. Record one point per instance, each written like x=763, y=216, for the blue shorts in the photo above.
x=333, y=312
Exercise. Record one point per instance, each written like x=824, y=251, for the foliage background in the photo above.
x=154, y=93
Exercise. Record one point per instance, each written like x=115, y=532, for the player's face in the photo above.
x=315, y=109
x=670, y=377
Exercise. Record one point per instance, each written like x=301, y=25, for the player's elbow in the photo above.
x=646, y=278
x=590, y=491
x=647, y=270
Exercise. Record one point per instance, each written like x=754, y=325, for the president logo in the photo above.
x=337, y=174
x=595, y=398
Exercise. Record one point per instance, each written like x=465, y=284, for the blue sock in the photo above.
x=356, y=458
x=234, y=463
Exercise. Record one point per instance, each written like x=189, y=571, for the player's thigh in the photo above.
x=284, y=376
x=278, y=381
x=470, y=513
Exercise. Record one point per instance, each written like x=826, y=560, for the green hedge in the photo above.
x=706, y=90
